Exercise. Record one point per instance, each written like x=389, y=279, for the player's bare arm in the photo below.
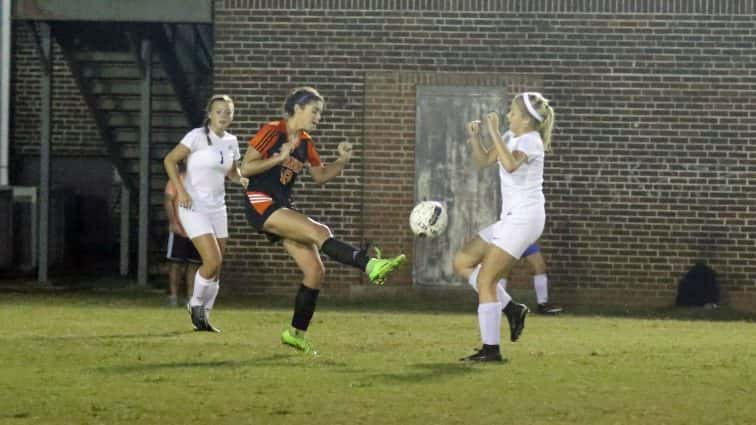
x=330, y=171
x=253, y=163
x=482, y=157
x=170, y=162
x=511, y=161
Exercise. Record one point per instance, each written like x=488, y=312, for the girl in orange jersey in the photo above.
x=277, y=154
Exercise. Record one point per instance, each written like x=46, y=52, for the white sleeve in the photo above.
x=237, y=155
x=190, y=140
x=531, y=145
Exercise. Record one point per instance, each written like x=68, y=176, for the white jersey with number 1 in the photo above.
x=207, y=166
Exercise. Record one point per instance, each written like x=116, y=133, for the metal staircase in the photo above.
x=108, y=63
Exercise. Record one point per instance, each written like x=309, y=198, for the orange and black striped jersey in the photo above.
x=278, y=180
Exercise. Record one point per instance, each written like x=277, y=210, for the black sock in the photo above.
x=490, y=348
x=345, y=253
x=304, y=307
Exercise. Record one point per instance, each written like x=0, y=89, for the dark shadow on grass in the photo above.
x=421, y=373
x=282, y=360
x=277, y=360
x=113, y=336
x=721, y=314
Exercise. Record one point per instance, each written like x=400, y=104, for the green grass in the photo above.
x=119, y=357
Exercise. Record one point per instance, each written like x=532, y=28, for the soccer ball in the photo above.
x=428, y=219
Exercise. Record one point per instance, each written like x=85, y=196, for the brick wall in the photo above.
x=73, y=130
x=652, y=166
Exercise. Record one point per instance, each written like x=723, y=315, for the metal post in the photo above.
x=144, y=163
x=5, y=59
x=125, y=231
x=45, y=49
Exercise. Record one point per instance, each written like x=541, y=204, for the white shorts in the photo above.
x=516, y=231
x=198, y=223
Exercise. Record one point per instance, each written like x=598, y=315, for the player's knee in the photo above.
x=319, y=233
x=211, y=266
x=315, y=275
x=460, y=263
x=486, y=279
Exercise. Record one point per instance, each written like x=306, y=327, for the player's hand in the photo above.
x=492, y=120
x=286, y=150
x=184, y=200
x=473, y=128
x=178, y=230
x=345, y=151
x=244, y=182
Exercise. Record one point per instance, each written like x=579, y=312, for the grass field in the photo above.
x=121, y=358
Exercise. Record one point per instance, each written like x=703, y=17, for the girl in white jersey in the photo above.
x=211, y=155
x=491, y=254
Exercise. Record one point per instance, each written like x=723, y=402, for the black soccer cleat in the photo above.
x=516, y=314
x=208, y=326
x=197, y=313
x=487, y=353
x=548, y=309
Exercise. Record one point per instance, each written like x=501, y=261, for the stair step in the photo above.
x=159, y=119
x=157, y=153
x=126, y=87
x=99, y=56
x=132, y=167
x=134, y=103
x=159, y=134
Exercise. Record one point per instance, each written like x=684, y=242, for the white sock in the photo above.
x=501, y=287
x=501, y=292
x=211, y=293
x=541, y=284
x=199, y=295
x=489, y=319
x=473, y=279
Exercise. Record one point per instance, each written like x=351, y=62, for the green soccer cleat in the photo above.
x=379, y=268
x=298, y=342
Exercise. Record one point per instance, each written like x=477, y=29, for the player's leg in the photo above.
x=541, y=283
x=295, y=226
x=204, y=279
x=495, y=263
x=212, y=291
x=512, y=236
x=308, y=260
x=467, y=261
x=469, y=257
x=194, y=261
x=199, y=227
x=189, y=272
x=174, y=270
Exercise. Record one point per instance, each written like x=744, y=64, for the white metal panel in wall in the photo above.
x=444, y=171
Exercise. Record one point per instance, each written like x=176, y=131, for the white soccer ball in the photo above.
x=428, y=219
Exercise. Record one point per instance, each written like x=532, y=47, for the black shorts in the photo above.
x=182, y=250
x=258, y=207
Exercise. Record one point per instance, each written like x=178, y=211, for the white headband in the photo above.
x=530, y=108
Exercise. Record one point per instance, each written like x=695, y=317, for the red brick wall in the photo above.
x=652, y=167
